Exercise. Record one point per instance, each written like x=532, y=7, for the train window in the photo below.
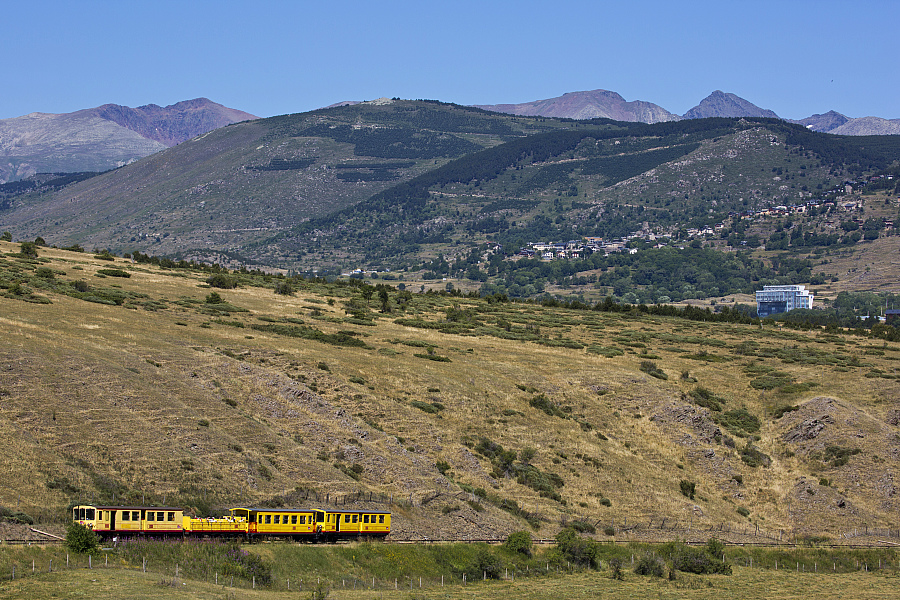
x=354, y=518
x=90, y=514
x=381, y=518
x=303, y=519
x=135, y=515
x=346, y=518
x=151, y=515
x=293, y=519
x=171, y=516
x=365, y=518
x=277, y=519
x=268, y=519
x=125, y=515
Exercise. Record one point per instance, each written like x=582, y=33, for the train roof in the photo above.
x=308, y=510
x=112, y=507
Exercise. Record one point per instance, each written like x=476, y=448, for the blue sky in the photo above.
x=795, y=57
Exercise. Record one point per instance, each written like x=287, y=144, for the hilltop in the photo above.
x=477, y=416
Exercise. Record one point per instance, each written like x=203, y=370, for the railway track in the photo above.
x=542, y=541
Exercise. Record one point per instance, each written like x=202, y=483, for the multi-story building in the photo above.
x=775, y=299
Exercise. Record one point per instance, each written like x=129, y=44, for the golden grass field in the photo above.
x=162, y=399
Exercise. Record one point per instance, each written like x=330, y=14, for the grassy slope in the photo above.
x=109, y=400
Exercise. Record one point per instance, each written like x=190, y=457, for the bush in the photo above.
x=221, y=281
x=114, y=273
x=81, y=539
x=650, y=368
x=576, y=549
x=519, y=542
x=688, y=488
x=284, y=288
x=582, y=527
x=28, y=250
x=650, y=564
x=697, y=560
x=484, y=564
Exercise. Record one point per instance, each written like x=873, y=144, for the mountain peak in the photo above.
x=723, y=104
x=173, y=124
x=591, y=104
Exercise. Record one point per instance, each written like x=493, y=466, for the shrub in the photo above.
x=519, y=542
x=28, y=250
x=697, y=560
x=284, y=288
x=81, y=539
x=715, y=547
x=839, y=456
x=650, y=368
x=485, y=564
x=582, y=527
x=615, y=566
x=743, y=511
x=739, y=421
x=576, y=549
x=688, y=488
x=650, y=564
x=222, y=281
x=753, y=457
x=705, y=398
x=214, y=298
x=114, y=273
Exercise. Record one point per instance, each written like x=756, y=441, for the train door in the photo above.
x=337, y=525
x=112, y=520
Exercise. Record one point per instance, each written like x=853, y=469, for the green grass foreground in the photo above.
x=216, y=570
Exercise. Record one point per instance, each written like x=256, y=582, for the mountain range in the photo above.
x=103, y=138
x=389, y=182
x=610, y=105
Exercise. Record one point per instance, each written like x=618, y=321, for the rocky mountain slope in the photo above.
x=103, y=138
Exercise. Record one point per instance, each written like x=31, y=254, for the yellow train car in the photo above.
x=110, y=521
x=228, y=526
x=348, y=524
x=314, y=525
x=279, y=522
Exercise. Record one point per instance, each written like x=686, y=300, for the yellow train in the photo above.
x=249, y=523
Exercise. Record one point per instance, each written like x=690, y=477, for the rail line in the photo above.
x=541, y=541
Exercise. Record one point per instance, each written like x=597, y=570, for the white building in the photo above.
x=775, y=299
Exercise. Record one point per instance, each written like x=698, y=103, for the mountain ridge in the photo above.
x=611, y=105
x=104, y=137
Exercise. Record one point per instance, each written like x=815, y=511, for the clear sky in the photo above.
x=796, y=57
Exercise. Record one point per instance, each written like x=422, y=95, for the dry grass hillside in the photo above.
x=139, y=389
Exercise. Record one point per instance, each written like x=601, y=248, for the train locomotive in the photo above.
x=312, y=525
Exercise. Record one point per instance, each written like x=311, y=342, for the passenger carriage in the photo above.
x=109, y=521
